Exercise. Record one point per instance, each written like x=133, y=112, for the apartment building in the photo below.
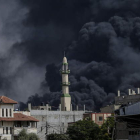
x=12, y=122
x=98, y=118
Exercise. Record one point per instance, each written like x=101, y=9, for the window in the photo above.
x=136, y=133
x=17, y=124
x=28, y=124
x=10, y=130
x=2, y=112
x=100, y=118
x=132, y=132
x=6, y=112
x=32, y=124
x=3, y=130
x=6, y=130
x=10, y=112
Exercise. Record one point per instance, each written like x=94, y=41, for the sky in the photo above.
x=101, y=39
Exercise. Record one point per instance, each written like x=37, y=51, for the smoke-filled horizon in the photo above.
x=101, y=40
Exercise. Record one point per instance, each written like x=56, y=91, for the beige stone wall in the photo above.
x=4, y=125
x=23, y=112
x=65, y=89
x=95, y=117
x=65, y=78
x=65, y=102
x=8, y=137
x=8, y=107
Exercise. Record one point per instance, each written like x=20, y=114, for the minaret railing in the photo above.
x=65, y=83
x=64, y=71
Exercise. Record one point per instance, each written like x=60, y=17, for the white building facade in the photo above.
x=12, y=122
x=54, y=121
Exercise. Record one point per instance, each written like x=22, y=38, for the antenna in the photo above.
x=64, y=53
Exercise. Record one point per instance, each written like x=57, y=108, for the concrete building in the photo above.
x=41, y=107
x=12, y=122
x=57, y=121
x=109, y=108
x=98, y=118
x=131, y=98
x=127, y=122
x=54, y=121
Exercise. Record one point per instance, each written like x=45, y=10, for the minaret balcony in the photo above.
x=64, y=71
x=65, y=83
x=65, y=63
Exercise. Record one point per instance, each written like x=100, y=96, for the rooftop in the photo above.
x=6, y=100
x=19, y=117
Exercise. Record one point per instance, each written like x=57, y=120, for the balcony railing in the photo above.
x=64, y=71
x=17, y=130
x=65, y=83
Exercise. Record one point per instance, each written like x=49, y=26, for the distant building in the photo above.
x=124, y=100
x=127, y=122
x=109, y=108
x=12, y=122
x=131, y=98
x=98, y=118
x=41, y=107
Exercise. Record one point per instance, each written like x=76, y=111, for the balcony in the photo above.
x=64, y=71
x=17, y=130
x=65, y=83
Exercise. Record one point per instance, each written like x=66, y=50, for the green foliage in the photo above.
x=83, y=130
x=4, y=139
x=80, y=130
x=57, y=137
x=107, y=129
x=32, y=136
x=26, y=109
x=24, y=136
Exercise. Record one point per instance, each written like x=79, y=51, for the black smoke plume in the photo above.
x=101, y=38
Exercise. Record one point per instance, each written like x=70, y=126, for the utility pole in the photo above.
x=113, y=132
x=46, y=130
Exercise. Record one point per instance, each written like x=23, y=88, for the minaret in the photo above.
x=65, y=97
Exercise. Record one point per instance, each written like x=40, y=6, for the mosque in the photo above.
x=57, y=121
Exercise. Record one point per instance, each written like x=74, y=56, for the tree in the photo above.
x=4, y=139
x=107, y=129
x=83, y=130
x=57, y=137
x=23, y=135
x=32, y=136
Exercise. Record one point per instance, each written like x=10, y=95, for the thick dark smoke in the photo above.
x=101, y=38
